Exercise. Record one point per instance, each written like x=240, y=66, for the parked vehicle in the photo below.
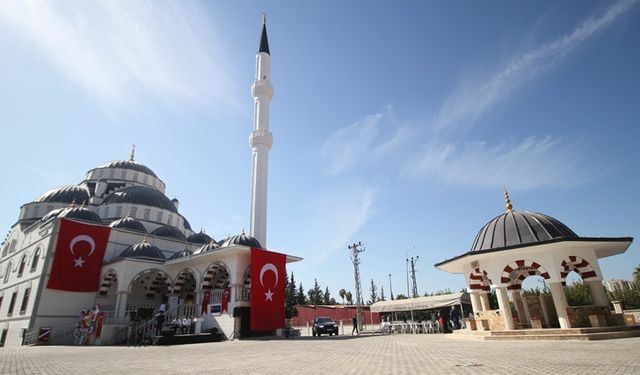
x=324, y=324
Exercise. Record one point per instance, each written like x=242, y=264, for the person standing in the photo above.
x=455, y=317
x=354, y=321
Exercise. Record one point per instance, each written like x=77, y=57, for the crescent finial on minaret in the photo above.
x=133, y=153
x=507, y=200
x=264, y=18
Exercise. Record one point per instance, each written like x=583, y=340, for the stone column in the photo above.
x=505, y=307
x=475, y=301
x=121, y=304
x=598, y=294
x=520, y=306
x=560, y=303
x=484, y=300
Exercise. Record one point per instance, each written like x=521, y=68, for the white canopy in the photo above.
x=421, y=303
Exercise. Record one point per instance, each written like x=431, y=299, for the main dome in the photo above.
x=141, y=195
x=129, y=164
x=515, y=228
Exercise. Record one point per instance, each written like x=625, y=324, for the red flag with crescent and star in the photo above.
x=226, y=296
x=78, y=257
x=267, y=290
x=205, y=303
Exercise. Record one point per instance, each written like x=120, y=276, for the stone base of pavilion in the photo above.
x=587, y=333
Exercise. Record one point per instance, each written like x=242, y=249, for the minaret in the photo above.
x=260, y=139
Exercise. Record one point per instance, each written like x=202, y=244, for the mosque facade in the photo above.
x=130, y=250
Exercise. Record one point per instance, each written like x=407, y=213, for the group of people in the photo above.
x=184, y=324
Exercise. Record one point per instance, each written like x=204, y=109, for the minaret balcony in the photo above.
x=262, y=88
x=261, y=138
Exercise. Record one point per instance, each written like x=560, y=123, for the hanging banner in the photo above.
x=267, y=290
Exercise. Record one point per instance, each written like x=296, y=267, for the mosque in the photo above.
x=151, y=256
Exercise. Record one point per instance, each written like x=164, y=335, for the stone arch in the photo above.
x=479, y=280
x=153, y=281
x=217, y=276
x=185, y=285
x=514, y=274
x=108, y=280
x=577, y=265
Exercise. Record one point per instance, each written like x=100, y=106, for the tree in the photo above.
x=636, y=275
x=315, y=294
x=382, y=293
x=326, y=298
x=578, y=294
x=373, y=297
x=289, y=295
x=342, y=293
x=301, y=298
x=401, y=296
x=349, y=298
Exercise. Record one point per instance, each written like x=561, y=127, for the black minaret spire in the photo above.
x=264, y=43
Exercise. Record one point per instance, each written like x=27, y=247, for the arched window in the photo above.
x=7, y=272
x=36, y=257
x=23, y=262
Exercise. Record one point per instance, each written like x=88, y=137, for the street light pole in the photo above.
x=390, y=289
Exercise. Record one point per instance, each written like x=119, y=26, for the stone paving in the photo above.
x=391, y=354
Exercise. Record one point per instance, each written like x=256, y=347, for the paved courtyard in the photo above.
x=396, y=354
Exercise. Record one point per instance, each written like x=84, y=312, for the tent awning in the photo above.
x=421, y=303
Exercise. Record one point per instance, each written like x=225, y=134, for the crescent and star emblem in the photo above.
x=268, y=267
x=79, y=262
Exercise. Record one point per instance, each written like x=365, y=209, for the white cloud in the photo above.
x=335, y=214
x=471, y=100
x=347, y=146
x=116, y=49
x=529, y=164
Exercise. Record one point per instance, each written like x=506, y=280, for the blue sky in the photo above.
x=394, y=124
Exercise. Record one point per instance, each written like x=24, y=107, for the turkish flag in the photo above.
x=205, y=303
x=224, y=306
x=267, y=290
x=78, y=257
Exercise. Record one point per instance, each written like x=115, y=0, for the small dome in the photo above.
x=65, y=194
x=201, y=238
x=79, y=213
x=141, y=195
x=52, y=214
x=514, y=228
x=129, y=164
x=242, y=239
x=170, y=232
x=181, y=254
x=142, y=250
x=211, y=246
x=129, y=223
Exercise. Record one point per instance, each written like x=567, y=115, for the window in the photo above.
x=147, y=213
x=12, y=303
x=13, y=245
x=7, y=272
x=1, y=297
x=25, y=301
x=159, y=217
x=170, y=221
x=36, y=257
x=106, y=212
x=5, y=249
x=144, y=179
x=119, y=211
x=133, y=212
x=23, y=262
x=135, y=176
x=122, y=173
x=3, y=338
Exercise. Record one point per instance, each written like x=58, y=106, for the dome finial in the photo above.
x=133, y=153
x=264, y=18
x=507, y=200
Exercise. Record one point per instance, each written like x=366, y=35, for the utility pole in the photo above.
x=413, y=275
x=406, y=255
x=356, y=249
x=390, y=289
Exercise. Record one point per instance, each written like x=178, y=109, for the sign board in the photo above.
x=215, y=309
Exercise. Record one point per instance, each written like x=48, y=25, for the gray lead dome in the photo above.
x=514, y=228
